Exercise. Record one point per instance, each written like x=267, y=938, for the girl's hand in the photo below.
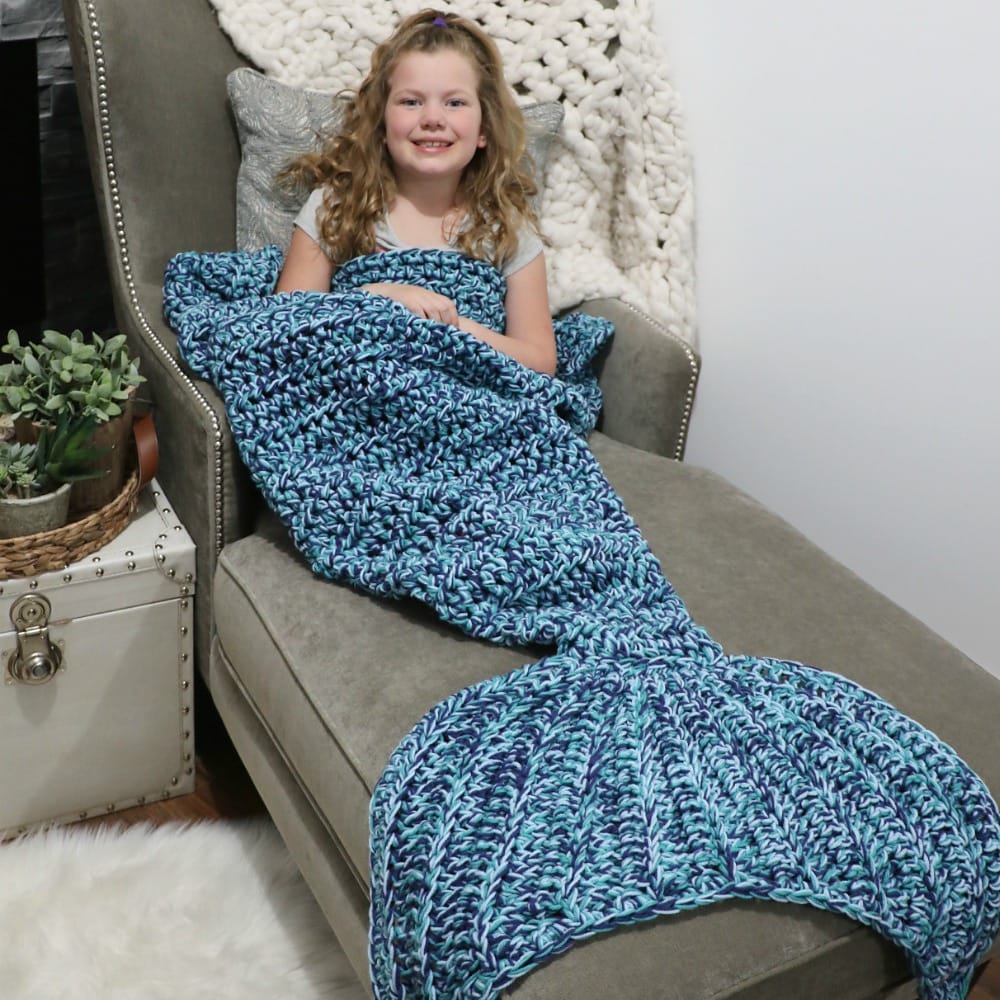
x=420, y=301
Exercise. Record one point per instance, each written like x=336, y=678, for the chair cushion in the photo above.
x=340, y=677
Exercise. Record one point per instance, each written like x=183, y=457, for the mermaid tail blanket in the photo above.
x=637, y=769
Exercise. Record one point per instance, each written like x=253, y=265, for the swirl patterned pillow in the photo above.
x=276, y=122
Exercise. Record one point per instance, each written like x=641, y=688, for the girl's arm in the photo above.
x=530, y=338
x=306, y=267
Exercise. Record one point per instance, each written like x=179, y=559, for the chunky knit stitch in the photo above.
x=635, y=771
x=617, y=204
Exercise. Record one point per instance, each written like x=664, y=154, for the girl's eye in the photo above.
x=457, y=102
x=408, y=102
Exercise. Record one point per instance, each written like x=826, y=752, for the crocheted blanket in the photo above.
x=617, y=204
x=637, y=770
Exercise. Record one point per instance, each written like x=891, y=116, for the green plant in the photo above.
x=62, y=454
x=18, y=472
x=67, y=374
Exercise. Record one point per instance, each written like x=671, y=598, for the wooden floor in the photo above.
x=987, y=987
x=223, y=790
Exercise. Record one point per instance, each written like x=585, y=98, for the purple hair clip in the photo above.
x=440, y=22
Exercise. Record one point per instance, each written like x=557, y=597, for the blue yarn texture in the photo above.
x=637, y=770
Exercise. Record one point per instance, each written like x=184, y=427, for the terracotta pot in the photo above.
x=30, y=516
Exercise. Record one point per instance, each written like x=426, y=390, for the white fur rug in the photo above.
x=212, y=910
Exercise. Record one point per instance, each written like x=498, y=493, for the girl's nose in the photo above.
x=432, y=116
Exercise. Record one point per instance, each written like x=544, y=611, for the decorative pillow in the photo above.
x=276, y=123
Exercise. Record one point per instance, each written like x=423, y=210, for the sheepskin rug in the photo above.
x=181, y=910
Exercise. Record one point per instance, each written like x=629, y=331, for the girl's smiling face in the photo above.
x=433, y=119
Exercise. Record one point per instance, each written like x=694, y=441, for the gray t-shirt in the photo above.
x=529, y=246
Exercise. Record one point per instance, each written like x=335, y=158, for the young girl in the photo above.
x=429, y=155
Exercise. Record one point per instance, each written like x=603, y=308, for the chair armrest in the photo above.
x=648, y=378
x=199, y=467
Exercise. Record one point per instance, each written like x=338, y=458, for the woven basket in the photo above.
x=48, y=550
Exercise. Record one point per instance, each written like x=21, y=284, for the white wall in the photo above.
x=847, y=178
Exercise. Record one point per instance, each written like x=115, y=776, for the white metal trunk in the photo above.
x=96, y=708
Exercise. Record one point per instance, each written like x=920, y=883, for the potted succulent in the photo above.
x=36, y=477
x=75, y=376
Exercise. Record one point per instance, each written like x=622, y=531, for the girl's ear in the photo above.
x=481, y=142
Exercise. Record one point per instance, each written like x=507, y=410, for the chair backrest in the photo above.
x=165, y=168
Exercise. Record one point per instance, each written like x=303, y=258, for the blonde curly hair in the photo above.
x=355, y=170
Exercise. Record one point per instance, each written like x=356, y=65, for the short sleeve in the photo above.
x=306, y=219
x=529, y=246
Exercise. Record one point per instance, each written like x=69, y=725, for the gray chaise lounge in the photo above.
x=316, y=684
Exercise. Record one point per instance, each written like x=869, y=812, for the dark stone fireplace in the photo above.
x=55, y=275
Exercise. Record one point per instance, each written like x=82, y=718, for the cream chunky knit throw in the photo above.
x=617, y=202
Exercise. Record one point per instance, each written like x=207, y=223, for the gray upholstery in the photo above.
x=316, y=683
x=648, y=380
